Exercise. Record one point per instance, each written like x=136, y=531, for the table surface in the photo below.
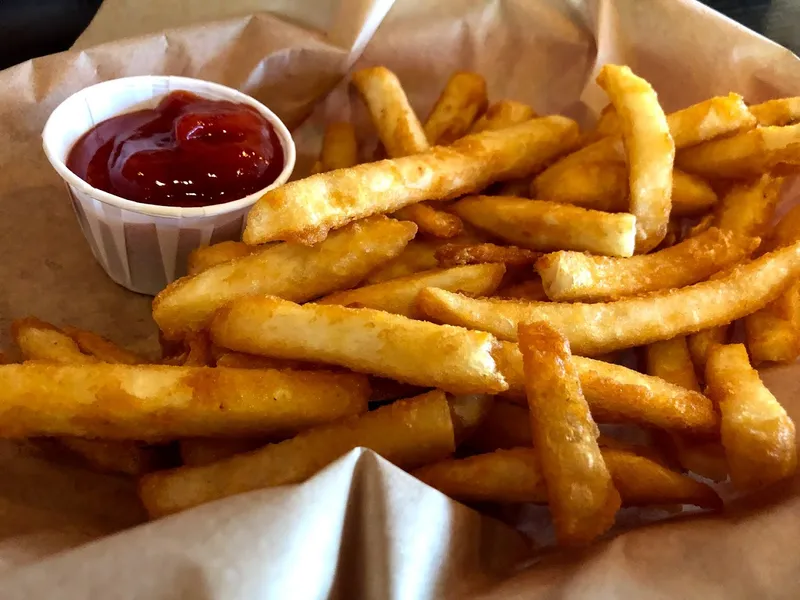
x=30, y=28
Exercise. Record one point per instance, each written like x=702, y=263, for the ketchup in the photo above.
x=187, y=151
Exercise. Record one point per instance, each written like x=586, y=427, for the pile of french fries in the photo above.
x=459, y=307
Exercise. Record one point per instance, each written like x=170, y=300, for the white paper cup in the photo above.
x=143, y=247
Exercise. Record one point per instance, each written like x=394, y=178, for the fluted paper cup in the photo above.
x=143, y=247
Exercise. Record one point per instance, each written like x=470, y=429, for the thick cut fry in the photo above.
x=339, y=147
x=515, y=475
x=748, y=207
x=196, y=452
x=569, y=276
x=594, y=329
x=102, y=348
x=701, y=343
x=542, y=225
x=365, y=340
x=671, y=361
x=461, y=102
x=240, y=360
x=154, y=402
x=783, y=111
x=38, y=340
x=502, y=114
x=431, y=221
x=773, y=333
x=305, y=210
x=650, y=150
x=582, y=498
x=450, y=255
x=114, y=456
x=757, y=434
x=205, y=257
x=531, y=290
x=399, y=296
x=691, y=195
x=745, y=155
x=398, y=127
x=419, y=255
x=409, y=433
x=292, y=271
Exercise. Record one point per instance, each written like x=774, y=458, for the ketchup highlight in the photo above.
x=187, y=151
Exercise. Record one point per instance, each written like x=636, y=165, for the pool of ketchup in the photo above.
x=187, y=151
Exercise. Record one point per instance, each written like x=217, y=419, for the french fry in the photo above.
x=398, y=127
x=468, y=413
x=41, y=341
x=155, y=402
x=102, y=348
x=241, y=360
x=691, y=195
x=607, y=125
x=701, y=343
x=305, y=210
x=541, y=225
x=409, y=433
x=570, y=276
x=205, y=257
x=462, y=100
x=748, y=207
x=419, y=255
x=757, y=434
x=450, y=255
x=339, y=147
x=514, y=187
x=199, y=351
x=437, y=223
x=565, y=437
x=292, y=271
x=594, y=329
x=515, y=475
x=617, y=394
x=780, y=112
x=196, y=452
x=506, y=425
x=745, y=155
x=671, y=361
x=531, y=290
x=502, y=114
x=114, y=456
x=399, y=296
x=362, y=339
x=773, y=333
x=650, y=149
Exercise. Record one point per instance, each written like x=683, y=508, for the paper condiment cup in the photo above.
x=143, y=247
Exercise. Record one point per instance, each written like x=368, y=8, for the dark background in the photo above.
x=30, y=28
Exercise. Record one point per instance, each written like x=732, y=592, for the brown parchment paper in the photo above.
x=361, y=528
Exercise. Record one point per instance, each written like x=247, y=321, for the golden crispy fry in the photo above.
x=758, y=435
x=701, y=343
x=773, y=333
x=398, y=127
x=240, y=360
x=102, y=348
x=114, y=456
x=468, y=413
x=456, y=254
x=38, y=340
x=515, y=475
x=650, y=150
x=419, y=255
x=409, y=433
x=305, y=210
x=362, y=339
x=671, y=361
x=541, y=225
x=691, y=195
x=745, y=155
x=569, y=276
x=291, y=271
x=594, y=329
x=607, y=125
x=431, y=221
x=617, y=394
x=399, y=296
x=783, y=111
x=502, y=114
x=339, y=147
x=531, y=290
x=462, y=100
x=196, y=452
x=583, y=501
x=748, y=207
x=155, y=402
x=205, y=257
